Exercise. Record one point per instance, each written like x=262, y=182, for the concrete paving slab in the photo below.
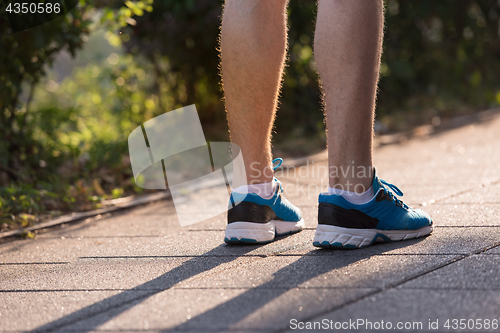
x=477, y=272
x=70, y=249
x=416, y=308
x=218, y=310
x=179, y=243
x=458, y=215
x=484, y=195
x=341, y=269
x=110, y=274
x=10, y=272
x=25, y=311
x=475, y=139
x=153, y=221
x=467, y=155
x=400, y=160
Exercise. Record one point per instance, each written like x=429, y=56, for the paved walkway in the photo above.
x=140, y=270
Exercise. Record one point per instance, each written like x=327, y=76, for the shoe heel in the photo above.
x=249, y=233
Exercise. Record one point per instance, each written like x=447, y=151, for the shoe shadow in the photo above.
x=229, y=313
x=90, y=317
x=315, y=263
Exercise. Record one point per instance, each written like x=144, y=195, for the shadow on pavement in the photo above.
x=99, y=313
x=228, y=313
x=290, y=277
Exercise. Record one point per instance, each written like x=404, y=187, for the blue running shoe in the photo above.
x=255, y=220
x=342, y=224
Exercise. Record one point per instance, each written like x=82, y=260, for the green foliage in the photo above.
x=179, y=40
x=440, y=58
x=88, y=113
x=47, y=145
x=16, y=200
x=84, y=122
x=23, y=62
x=300, y=115
x=19, y=203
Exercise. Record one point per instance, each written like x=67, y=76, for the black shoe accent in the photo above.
x=250, y=212
x=331, y=214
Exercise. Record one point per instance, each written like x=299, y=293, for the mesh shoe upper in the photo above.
x=389, y=212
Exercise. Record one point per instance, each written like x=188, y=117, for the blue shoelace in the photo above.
x=279, y=161
x=392, y=196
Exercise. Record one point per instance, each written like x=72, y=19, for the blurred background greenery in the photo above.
x=73, y=89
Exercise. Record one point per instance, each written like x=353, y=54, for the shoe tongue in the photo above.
x=376, y=184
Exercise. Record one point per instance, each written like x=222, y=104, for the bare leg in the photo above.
x=348, y=47
x=253, y=48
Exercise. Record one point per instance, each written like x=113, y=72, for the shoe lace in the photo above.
x=392, y=197
x=279, y=161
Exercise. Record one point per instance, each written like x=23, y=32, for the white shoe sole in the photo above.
x=251, y=233
x=337, y=237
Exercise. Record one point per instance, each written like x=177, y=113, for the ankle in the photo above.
x=354, y=197
x=352, y=177
x=265, y=190
x=354, y=185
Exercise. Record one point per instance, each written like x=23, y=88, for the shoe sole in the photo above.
x=328, y=236
x=260, y=233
